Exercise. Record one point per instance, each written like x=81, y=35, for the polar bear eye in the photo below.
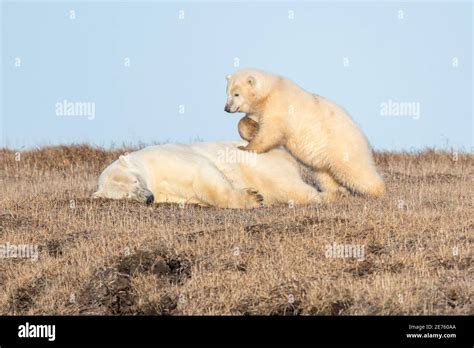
x=236, y=94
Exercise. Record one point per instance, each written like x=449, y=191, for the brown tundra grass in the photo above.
x=118, y=257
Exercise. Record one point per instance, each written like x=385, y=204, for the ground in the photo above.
x=118, y=257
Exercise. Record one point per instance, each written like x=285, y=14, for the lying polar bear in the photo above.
x=214, y=174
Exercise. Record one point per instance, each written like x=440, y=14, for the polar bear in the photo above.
x=315, y=130
x=213, y=174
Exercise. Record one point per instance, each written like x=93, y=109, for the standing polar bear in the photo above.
x=313, y=129
x=214, y=174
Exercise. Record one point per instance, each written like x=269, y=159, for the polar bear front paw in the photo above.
x=255, y=198
x=333, y=196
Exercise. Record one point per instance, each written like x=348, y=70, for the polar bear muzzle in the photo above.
x=144, y=195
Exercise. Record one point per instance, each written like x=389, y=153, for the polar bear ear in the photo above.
x=124, y=160
x=228, y=77
x=251, y=80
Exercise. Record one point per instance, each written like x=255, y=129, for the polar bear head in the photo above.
x=122, y=180
x=246, y=89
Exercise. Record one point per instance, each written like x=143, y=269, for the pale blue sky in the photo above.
x=177, y=62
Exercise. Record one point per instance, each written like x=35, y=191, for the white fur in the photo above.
x=209, y=174
x=314, y=129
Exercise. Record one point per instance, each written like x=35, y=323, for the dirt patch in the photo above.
x=143, y=261
x=337, y=307
x=235, y=266
x=194, y=236
x=165, y=306
x=438, y=178
x=56, y=247
x=287, y=309
x=244, y=307
x=3, y=273
x=15, y=221
x=441, y=178
x=110, y=291
x=276, y=307
x=376, y=249
x=461, y=263
x=285, y=299
x=340, y=307
x=396, y=267
x=452, y=298
x=299, y=225
x=361, y=268
x=25, y=297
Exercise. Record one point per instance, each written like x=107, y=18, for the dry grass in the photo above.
x=111, y=257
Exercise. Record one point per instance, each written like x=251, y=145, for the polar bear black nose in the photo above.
x=150, y=199
x=227, y=108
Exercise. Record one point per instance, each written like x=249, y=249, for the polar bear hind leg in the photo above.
x=360, y=179
x=302, y=193
x=331, y=189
